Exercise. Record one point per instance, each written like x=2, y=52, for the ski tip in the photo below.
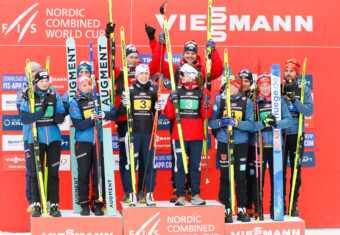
x=225, y=50
x=27, y=61
x=122, y=29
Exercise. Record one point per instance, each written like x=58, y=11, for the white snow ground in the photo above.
x=309, y=231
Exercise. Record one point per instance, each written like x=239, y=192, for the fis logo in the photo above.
x=18, y=26
x=153, y=222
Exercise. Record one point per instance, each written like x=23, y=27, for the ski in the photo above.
x=300, y=142
x=104, y=91
x=230, y=134
x=113, y=54
x=258, y=150
x=208, y=67
x=128, y=111
x=175, y=101
x=72, y=90
x=97, y=129
x=36, y=141
x=45, y=158
x=277, y=144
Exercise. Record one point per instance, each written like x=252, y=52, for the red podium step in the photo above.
x=74, y=223
x=166, y=218
x=290, y=226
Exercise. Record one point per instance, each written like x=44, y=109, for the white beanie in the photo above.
x=142, y=68
x=189, y=70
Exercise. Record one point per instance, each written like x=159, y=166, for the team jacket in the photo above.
x=265, y=108
x=80, y=111
x=216, y=66
x=25, y=128
x=153, y=66
x=307, y=108
x=142, y=108
x=192, y=113
x=243, y=110
x=48, y=130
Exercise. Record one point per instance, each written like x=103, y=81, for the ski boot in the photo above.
x=180, y=201
x=250, y=212
x=132, y=199
x=85, y=209
x=55, y=212
x=173, y=197
x=141, y=197
x=227, y=216
x=295, y=212
x=36, y=212
x=242, y=215
x=196, y=200
x=150, y=201
x=98, y=211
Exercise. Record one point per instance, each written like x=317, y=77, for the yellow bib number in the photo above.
x=142, y=105
x=87, y=113
x=237, y=115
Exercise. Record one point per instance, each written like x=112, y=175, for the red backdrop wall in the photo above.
x=268, y=30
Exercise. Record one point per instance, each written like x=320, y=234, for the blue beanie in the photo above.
x=131, y=49
x=190, y=46
x=83, y=65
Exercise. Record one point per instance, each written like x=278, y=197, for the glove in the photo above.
x=126, y=101
x=223, y=122
x=269, y=121
x=289, y=92
x=232, y=122
x=161, y=38
x=211, y=44
x=59, y=118
x=44, y=104
x=158, y=106
x=101, y=115
x=173, y=95
x=150, y=31
x=94, y=115
x=206, y=100
x=25, y=90
x=110, y=28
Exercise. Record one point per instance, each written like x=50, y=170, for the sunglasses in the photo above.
x=294, y=61
x=183, y=74
x=85, y=62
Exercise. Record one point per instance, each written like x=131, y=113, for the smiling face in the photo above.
x=143, y=77
x=190, y=56
x=265, y=89
x=132, y=59
x=43, y=84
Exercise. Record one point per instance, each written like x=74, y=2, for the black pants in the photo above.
x=123, y=162
x=53, y=161
x=267, y=158
x=251, y=177
x=240, y=165
x=86, y=155
x=290, y=147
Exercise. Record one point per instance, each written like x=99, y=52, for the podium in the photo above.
x=290, y=225
x=74, y=223
x=166, y=218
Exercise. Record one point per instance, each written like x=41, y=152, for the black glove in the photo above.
x=211, y=44
x=59, y=118
x=110, y=28
x=44, y=104
x=173, y=95
x=207, y=101
x=150, y=31
x=289, y=92
x=269, y=121
x=25, y=90
x=161, y=38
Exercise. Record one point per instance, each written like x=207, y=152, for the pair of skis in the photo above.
x=105, y=106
